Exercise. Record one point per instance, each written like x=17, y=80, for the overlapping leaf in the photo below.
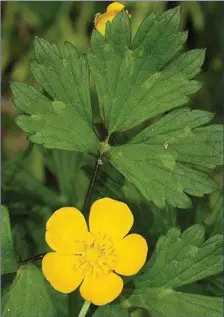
x=18, y=183
x=9, y=262
x=137, y=81
x=166, y=303
x=183, y=259
x=215, y=284
x=64, y=119
x=214, y=220
x=164, y=161
x=111, y=310
x=164, y=219
x=66, y=167
x=179, y=259
x=28, y=296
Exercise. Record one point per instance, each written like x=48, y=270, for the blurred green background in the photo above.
x=37, y=181
x=73, y=21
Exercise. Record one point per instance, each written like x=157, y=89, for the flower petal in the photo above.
x=65, y=228
x=131, y=254
x=102, y=19
x=59, y=270
x=110, y=217
x=115, y=6
x=101, y=290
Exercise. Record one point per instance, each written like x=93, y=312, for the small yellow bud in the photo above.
x=101, y=19
x=115, y=6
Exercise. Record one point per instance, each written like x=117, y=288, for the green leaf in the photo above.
x=165, y=160
x=75, y=303
x=66, y=167
x=35, y=229
x=215, y=284
x=183, y=259
x=214, y=220
x=188, y=63
x=28, y=295
x=9, y=262
x=137, y=81
x=166, y=303
x=64, y=119
x=59, y=300
x=160, y=302
x=164, y=219
x=72, y=180
x=179, y=259
x=26, y=187
x=112, y=310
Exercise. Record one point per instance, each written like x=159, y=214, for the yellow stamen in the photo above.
x=97, y=255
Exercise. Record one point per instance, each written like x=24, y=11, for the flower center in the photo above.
x=97, y=255
x=92, y=255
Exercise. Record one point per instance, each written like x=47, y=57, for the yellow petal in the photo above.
x=101, y=290
x=131, y=254
x=115, y=6
x=59, y=270
x=65, y=228
x=110, y=217
x=102, y=19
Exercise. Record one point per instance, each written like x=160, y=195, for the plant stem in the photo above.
x=33, y=258
x=99, y=162
x=84, y=309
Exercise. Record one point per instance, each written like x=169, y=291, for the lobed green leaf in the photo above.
x=165, y=160
x=135, y=81
x=64, y=118
x=179, y=259
x=184, y=258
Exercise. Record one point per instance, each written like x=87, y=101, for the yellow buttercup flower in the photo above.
x=101, y=19
x=94, y=257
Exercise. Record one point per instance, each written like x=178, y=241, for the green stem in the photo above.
x=93, y=181
x=84, y=309
x=33, y=258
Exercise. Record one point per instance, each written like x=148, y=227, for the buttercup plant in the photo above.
x=94, y=255
x=162, y=151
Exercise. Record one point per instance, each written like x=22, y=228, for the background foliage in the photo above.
x=35, y=181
